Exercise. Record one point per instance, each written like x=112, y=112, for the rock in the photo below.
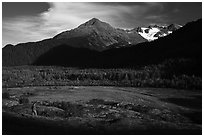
x=10, y=103
x=147, y=31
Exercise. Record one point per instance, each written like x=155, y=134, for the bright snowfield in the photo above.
x=150, y=36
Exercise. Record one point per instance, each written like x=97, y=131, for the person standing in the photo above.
x=34, y=111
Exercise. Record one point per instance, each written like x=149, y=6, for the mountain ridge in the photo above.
x=94, y=27
x=185, y=42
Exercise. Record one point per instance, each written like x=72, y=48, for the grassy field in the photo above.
x=155, y=99
x=101, y=110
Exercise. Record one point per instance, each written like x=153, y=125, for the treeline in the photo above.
x=169, y=74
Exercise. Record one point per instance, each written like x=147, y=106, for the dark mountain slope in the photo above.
x=26, y=53
x=64, y=55
x=184, y=43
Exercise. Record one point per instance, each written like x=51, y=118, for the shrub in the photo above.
x=172, y=73
x=23, y=100
x=5, y=95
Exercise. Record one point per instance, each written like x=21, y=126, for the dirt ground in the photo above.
x=101, y=110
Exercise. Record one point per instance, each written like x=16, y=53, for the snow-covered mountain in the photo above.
x=154, y=32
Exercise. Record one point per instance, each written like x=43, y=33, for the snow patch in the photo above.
x=169, y=32
x=150, y=35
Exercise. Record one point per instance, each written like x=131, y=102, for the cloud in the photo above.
x=22, y=29
x=64, y=16
x=176, y=10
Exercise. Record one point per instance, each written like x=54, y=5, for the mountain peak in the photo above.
x=94, y=19
x=99, y=35
x=91, y=22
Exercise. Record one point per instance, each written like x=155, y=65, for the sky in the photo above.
x=34, y=21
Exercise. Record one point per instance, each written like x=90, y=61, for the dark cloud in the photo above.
x=120, y=3
x=13, y=9
x=178, y=12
